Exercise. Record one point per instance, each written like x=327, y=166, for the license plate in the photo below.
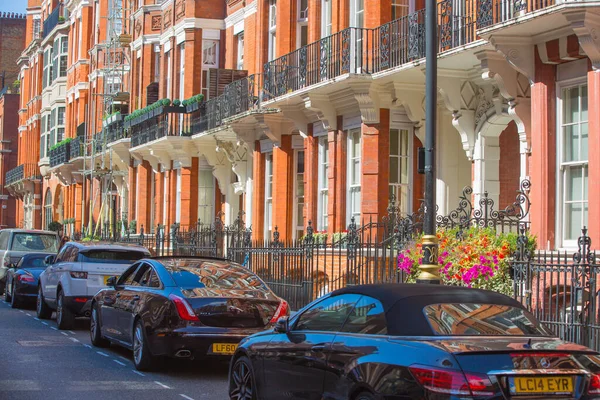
x=224, y=348
x=535, y=384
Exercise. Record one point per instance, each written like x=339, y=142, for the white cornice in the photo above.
x=145, y=39
x=191, y=23
x=146, y=9
x=234, y=18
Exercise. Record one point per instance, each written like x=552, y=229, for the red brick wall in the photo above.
x=12, y=43
x=510, y=159
x=283, y=186
x=9, y=129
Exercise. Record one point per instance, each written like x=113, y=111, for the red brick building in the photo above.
x=12, y=43
x=313, y=110
x=9, y=133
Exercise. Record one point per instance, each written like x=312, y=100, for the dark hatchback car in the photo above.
x=22, y=279
x=183, y=307
x=399, y=341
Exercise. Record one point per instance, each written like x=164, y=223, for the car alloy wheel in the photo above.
x=64, y=317
x=14, y=301
x=96, y=330
x=138, y=345
x=43, y=311
x=59, y=310
x=242, y=385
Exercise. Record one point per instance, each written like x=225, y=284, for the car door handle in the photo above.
x=319, y=348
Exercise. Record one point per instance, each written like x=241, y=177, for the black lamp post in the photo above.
x=429, y=266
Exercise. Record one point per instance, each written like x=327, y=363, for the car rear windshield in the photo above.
x=216, y=277
x=35, y=242
x=111, y=256
x=462, y=319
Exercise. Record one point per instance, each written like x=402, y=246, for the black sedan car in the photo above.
x=22, y=279
x=182, y=307
x=409, y=341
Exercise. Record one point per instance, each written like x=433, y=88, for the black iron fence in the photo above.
x=54, y=18
x=491, y=12
x=60, y=155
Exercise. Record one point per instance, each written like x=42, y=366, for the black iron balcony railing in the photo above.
x=76, y=148
x=98, y=142
x=56, y=17
x=60, y=155
x=491, y=12
x=21, y=172
x=115, y=131
x=164, y=121
x=366, y=51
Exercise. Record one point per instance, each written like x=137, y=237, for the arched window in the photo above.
x=48, y=209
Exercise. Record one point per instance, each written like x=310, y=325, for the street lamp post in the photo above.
x=429, y=265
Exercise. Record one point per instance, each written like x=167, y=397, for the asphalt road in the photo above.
x=37, y=361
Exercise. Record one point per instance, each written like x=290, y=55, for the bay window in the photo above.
x=323, y=183
x=400, y=168
x=353, y=175
x=573, y=163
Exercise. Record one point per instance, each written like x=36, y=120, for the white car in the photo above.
x=15, y=243
x=77, y=273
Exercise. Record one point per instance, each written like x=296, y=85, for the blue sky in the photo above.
x=13, y=5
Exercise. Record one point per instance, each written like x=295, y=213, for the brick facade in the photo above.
x=12, y=42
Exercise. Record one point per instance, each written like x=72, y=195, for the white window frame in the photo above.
x=560, y=173
x=298, y=222
x=302, y=24
x=352, y=188
x=168, y=76
x=268, y=196
x=272, y=30
x=357, y=13
x=178, y=197
x=410, y=156
x=398, y=4
x=240, y=51
x=165, y=196
x=210, y=47
x=210, y=196
x=323, y=184
x=326, y=18
x=182, y=72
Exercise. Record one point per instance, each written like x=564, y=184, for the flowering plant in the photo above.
x=480, y=259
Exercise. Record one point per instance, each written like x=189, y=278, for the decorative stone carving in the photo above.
x=167, y=18
x=156, y=22
x=483, y=105
x=586, y=25
x=138, y=27
x=179, y=9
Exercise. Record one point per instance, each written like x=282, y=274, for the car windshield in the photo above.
x=35, y=242
x=108, y=256
x=462, y=319
x=32, y=262
x=216, y=276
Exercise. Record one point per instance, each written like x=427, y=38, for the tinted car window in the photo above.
x=71, y=254
x=367, y=317
x=216, y=276
x=109, y=256
x=34, y=242
x=62, y=253
x=483, y=319
x=146, y=277
x=327, y=315
x=32, y=262
x=4, y=240
x=127, y=276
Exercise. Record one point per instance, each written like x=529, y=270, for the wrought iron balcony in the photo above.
x=366, y=51
x=164, y=121
x=238, y=98
x=76, y=149
x=491, y=12
x=115, y=131
x=56, y=17
x=60, y=155
x=22, y=172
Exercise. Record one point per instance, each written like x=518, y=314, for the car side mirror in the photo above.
x=49, y=260
x=282, y=325
x=112, y=281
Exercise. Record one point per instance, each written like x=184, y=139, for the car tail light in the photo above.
x=26, y=278
x=594, y=387
x=452, y=382
x=282, y=311
x=183, y=308
x=79, y=275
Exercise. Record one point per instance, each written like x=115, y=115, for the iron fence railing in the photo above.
x=60, y=155
x=491, y=12
x=21, y=172
x=56, y=16
x=76, y=148
x=167, y=121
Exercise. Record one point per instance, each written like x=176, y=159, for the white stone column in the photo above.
x=486, y=158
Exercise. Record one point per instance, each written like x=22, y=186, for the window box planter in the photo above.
x=175, y=109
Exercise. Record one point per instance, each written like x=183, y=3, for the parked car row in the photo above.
x=389, y=341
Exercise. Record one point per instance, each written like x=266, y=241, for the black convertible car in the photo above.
x=400, y=341
x=182, y=307
x=22, y=279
